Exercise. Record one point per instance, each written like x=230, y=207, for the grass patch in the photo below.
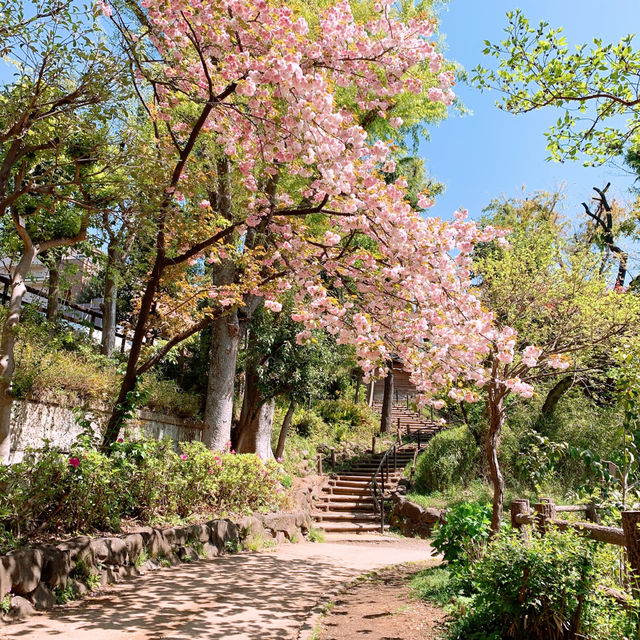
x=316, y=535
x=143, y=556
x=433, y=585
x=480, y=491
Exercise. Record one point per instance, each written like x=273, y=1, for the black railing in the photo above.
x=75, y=313
x=420, y=436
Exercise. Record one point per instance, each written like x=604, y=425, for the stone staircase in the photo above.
x=346, y=504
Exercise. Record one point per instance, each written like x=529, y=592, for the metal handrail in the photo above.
x=420, y=435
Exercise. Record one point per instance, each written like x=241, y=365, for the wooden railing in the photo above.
x=544, y=514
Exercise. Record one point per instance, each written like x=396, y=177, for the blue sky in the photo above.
x=492, y=153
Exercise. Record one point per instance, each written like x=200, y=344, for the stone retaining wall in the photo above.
x=412, y=519
x=32, y=422
x=36, y=578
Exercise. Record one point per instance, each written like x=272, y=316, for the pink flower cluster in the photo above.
x=274, y=82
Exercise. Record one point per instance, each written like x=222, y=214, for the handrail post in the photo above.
x=373, y=445
x=419, y=443
x=518, y=507
x=395, y=458
x=631, y=528
x=544, y=511
x=319, y=464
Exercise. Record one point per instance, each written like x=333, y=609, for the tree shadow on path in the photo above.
x=260, y=595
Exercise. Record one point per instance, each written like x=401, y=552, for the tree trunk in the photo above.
x=53, y=292
x=7, y=347
x=256, y=417
x=130, y=379
x=284, y=430
x=387, y=402
x=356, y=393
x=110, y=295
x=496, y=420
x=554, y=396
x=258, y=438
x=255, y=435
x=371, y=387
x=218, y=413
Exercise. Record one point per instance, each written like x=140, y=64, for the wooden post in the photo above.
x=395, y=459
x=373, y=446
x=520, y=507
x=407, y=397
x=333, y=458
x=544, y=511
x=319, y=464
x=372, y=390
x=631, y=528
x=591, y=513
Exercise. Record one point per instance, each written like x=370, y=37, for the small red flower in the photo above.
x=74, y=462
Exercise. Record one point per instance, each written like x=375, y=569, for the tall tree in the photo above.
x=258, y=83
x=595, y=86
x=556, y=313
x=61, y=84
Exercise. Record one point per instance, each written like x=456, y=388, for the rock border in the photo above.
x=39, y=578
x=412, y=519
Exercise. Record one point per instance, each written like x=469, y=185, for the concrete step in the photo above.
x=346, y=516
x=348, y=491
x=347, y=499
x=349, y=483
x=333, y=506
x=350, y=527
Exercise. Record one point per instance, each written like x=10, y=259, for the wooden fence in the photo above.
x=545, y=514
x=72, y=312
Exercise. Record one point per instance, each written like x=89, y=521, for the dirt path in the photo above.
x=245, y=596
x=381, y=608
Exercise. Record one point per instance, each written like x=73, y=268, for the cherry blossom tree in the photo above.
x=555, y=313
x=251, y=88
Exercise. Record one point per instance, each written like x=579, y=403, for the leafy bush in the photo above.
x=462, y=539
x=451, y=456
x=546, y=590
x=146, y=480
x=354, y=416
x=57, y=363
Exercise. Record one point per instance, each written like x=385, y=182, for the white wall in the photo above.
x=33, y=422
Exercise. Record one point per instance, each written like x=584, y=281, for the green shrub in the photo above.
x=55, y=362
x=308, y=423
x=146, y=480
x=451, y=456
x=462, y=539
x=355, y=416
x=546, y=590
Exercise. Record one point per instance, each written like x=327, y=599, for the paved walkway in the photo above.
x=246, y=596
